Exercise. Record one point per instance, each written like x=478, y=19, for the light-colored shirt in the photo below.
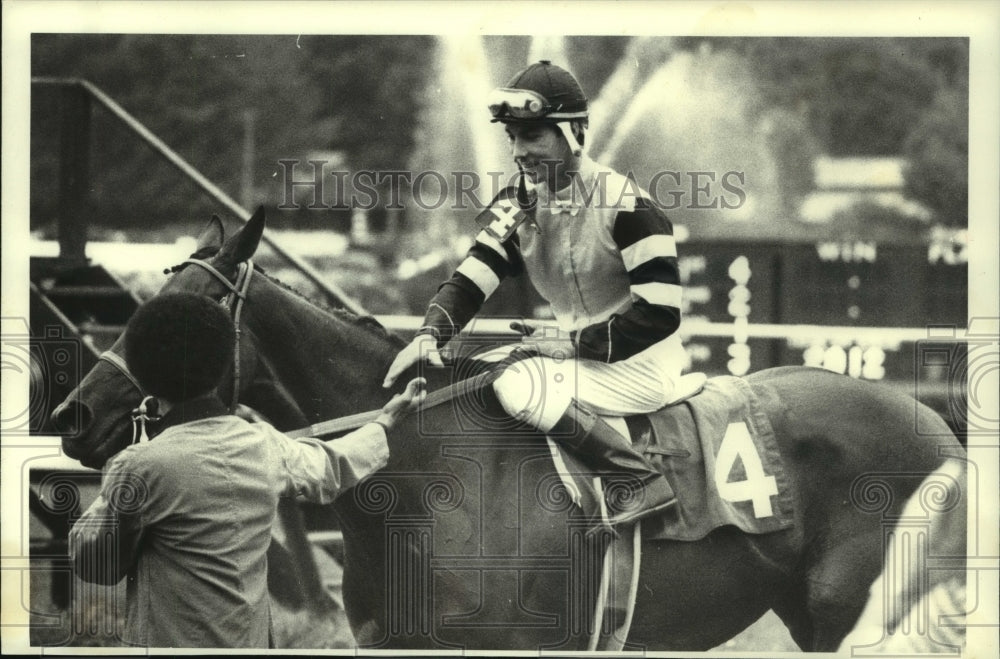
x=599, y=251
x=576, y=262
x=187, y=517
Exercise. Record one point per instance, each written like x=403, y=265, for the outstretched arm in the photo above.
x=457, y=301
x=320, y=471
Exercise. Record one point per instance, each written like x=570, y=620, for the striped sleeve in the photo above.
x=645, y=237
x=458, y=299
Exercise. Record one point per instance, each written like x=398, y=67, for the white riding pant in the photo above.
x=538, y=390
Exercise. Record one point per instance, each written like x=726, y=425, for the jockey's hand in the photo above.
x=400, y=404
x=545, y=340
x=422, y=347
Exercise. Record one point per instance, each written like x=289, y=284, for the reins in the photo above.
x=434, y=398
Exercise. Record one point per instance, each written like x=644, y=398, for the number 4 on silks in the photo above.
x=757, y=486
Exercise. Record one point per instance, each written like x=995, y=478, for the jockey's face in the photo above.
x=542, y=153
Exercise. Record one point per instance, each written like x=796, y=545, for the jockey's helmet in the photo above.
x=541, y=92
x=545, y=93
x=179, y=345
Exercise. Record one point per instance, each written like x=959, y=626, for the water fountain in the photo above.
x=641, y=58
x=687, y=129
x=456, y=149
x=552, y=48
x=455, y=139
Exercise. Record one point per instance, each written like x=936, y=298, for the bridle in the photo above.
x=234, y=301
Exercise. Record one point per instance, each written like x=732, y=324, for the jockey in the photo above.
x=188, y=515
x=603, y=256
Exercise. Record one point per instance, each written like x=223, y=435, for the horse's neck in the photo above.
x=325, y=365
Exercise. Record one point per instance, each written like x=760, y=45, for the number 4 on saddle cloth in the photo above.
x=718, y=451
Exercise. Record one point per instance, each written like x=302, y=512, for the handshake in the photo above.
x=544, y=340
x=402, y=403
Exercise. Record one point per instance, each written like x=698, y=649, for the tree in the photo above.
x=937, y=150
x=355, y=94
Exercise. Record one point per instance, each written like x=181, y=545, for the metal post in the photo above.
x=74, y=173
x=331, y=290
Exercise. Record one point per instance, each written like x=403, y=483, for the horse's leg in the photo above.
x=697, y=595
x=839, y=581
x=791, y=607
x=823, y=607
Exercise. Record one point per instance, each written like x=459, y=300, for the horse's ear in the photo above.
x=212, y=235
x=243, y=244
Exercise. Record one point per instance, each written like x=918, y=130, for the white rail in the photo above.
x=693, y=327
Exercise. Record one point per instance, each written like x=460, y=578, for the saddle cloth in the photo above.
x=718, y=451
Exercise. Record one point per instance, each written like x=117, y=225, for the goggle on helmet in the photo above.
x=506, y=104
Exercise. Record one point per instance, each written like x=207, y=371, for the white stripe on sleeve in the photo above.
x=647, y=249
x=480, y=274
x=667, y=295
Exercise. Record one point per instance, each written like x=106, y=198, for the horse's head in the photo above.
x=298, y=363
x=100, y=406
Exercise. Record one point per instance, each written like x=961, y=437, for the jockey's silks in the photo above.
x=598, y=251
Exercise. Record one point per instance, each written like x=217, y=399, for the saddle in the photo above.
x=713, y=443
x=716, y=447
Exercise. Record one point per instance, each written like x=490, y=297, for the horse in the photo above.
x=463, y=541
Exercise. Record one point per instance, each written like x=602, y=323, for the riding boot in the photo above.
x=635, y=490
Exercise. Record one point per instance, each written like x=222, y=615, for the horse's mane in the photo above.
x=367, y=323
